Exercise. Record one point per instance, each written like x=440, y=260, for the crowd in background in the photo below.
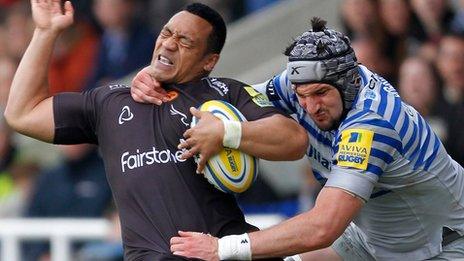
x=418, y=45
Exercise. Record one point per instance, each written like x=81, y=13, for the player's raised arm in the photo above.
x=29, y=109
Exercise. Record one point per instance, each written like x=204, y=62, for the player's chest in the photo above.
x=139, y=142
x=129, y=125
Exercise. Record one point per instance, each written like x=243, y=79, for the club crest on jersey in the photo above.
x=260, y=99
x=354, y=148
x=126, y=115
x=370, y=95
x=219, y=86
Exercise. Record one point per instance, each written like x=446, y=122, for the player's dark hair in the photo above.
x=217, y=37
x=290, y=47
x=318, y=25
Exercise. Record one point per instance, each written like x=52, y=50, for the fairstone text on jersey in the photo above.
x=140, y=159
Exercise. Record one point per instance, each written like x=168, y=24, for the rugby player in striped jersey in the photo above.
x=391, y=191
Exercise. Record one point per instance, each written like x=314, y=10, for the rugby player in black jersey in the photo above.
x=153, y=181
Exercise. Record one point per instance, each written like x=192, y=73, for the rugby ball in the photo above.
x=231, y=170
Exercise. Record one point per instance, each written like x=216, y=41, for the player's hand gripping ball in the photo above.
x=231, y=170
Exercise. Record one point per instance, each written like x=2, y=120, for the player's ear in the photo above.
x=211, y=60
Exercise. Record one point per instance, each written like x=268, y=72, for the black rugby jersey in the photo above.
x=155, y=191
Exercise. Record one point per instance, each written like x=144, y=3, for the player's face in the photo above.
x=322, y=102
x=180, y=50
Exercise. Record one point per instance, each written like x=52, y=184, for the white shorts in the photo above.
x=452, y=251
x=352, y=246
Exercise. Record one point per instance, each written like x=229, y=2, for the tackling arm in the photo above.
x=312, y=230
x=274, y=138
x=315, y=229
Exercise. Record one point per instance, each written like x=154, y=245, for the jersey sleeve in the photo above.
x=279, y=91
x=363, y=151
x=76, y=116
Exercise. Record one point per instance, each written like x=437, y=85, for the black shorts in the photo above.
x=153, y=256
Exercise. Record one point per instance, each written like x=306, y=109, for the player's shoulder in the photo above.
x=224, y=81
x=362, y=116
x=280, y=82
x=376, y=93
x=115, y=88
x=369, y=126
x=368, y=129
x=107, y=91
x=371, y=108
x=224, y=86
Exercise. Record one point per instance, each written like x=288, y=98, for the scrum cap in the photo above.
x=324, y=55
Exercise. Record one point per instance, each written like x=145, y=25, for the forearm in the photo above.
x=274, y=138
x=300, y=234
x=312, y=230
x=30, y=86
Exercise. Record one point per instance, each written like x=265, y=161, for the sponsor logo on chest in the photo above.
x=142, y=158
x=315, y=155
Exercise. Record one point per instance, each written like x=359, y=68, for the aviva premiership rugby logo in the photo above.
x=355, y=137
x=354, y=148
x=258, y=98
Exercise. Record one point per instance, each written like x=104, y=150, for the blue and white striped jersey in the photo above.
x=387, y=154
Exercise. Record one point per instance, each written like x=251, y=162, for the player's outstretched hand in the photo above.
x=145, y=89
x=50, y=15
x=204, y=139
x=195, y=245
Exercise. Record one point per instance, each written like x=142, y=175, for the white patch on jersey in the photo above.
x=183, y=118
x=117, y=86
x=218, y=86
x=370, y=95
x=126, y=115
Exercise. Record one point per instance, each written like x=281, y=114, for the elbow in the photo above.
x=323, y=238
x=9, y=117
x=301, y=143
x=329, y=232
x=304, y=143
x=12, y=119
x=327, y=238
x=324, y=232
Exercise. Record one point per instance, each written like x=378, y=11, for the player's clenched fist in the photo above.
x=51, y=15
x=195, y=245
